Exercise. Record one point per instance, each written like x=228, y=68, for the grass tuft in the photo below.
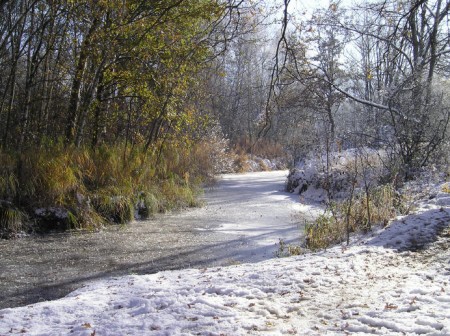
x=147, y=205
x=446, y=188
x=352, y=215
x=287, y=250
x=116, y=209
x=11, y=220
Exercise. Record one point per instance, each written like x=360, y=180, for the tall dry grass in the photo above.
x=85, y=188
x=246, y=150
x=352, y=215
x=264, y=148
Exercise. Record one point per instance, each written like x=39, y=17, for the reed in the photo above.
x=91, y=187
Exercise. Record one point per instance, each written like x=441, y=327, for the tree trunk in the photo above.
x=75, y=92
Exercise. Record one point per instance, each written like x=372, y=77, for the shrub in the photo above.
x=262, y=164
x=356, y=214
x=11, y=220
x=213, y=154
x=55, y=179
x=375, y=207
x=264, y=148
x=337, y=172
x=324, y=231
x=177, y=195
x=446, y=188
x=287, y=250
x=117, y=209
x=242, y=163
x=147, y=205
x=122, y=210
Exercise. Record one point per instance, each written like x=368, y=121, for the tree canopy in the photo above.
x=85, y=72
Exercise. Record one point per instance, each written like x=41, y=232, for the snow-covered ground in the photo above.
x=378, y=285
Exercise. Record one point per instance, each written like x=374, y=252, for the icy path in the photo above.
x=255, y=208
x=244, y=218
x=374, y=287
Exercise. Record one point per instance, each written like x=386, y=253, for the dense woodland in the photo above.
x=112, y=107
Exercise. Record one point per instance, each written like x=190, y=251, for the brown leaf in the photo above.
x=230, y=304
x=390, y=306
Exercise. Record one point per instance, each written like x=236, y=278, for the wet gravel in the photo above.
x=39, y=268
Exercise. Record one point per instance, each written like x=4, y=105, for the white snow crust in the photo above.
x=395, y=282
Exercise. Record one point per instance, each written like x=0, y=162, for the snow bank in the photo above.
x=311, y=177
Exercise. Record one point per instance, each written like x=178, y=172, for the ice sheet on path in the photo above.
x=256, y=209
x=371, y=288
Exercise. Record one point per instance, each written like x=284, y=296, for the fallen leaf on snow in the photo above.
x=390, y=306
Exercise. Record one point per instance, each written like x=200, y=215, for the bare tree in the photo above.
x=403, y=53
x=398, y=52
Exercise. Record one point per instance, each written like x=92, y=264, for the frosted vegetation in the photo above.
x=357, y=190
